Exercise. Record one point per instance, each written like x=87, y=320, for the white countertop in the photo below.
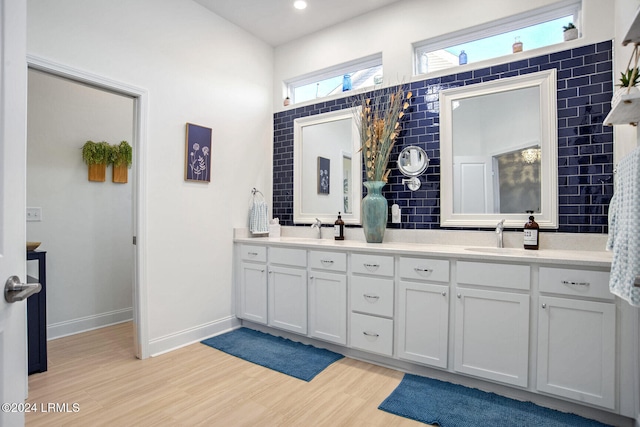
x=596, y=259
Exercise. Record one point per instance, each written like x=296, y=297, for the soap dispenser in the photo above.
x=531, y=235
x=338, y=228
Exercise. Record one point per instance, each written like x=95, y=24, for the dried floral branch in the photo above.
x=379, y=121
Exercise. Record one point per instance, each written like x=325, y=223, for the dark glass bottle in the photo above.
x=531, y=233
x=338, y=228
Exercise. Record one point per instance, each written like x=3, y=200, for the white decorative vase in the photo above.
x=570, y=34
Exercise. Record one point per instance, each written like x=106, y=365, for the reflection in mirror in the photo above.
x=412, y=161
x=518, y=176
x=499, y=152
x=327, y=168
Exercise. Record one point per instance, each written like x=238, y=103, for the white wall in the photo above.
x=197, y=68
x=393, y=29
x=87, y=226
x=626, y=137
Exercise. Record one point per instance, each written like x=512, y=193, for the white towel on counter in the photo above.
x=624, y=230
x=258, y=217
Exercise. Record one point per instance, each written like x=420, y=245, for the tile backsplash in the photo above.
x=585, y=146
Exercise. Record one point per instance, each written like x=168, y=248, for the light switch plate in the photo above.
x=34, y=214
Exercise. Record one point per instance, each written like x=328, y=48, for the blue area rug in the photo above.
x=449, y=405
x=280, y=354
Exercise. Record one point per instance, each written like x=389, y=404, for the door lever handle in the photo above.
x=15, y=291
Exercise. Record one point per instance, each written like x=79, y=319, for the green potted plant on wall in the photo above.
x=96, y=156
x=121, y=157
x=628, y=84
x=570, y=32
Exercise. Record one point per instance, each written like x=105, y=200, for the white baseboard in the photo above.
x=88, y=323
x=189, y=336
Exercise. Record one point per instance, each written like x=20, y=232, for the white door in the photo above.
x=473, y=184
x=492, y=335
x=576, y=350
x=328, y=307
x=424, y=323
x=288, y=299
x=13, y=95
x=253, y=292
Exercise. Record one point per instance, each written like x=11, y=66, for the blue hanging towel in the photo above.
x=624, y=230
x=258, y=215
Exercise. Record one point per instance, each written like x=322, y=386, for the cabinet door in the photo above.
x=253, y=292
x=492, y=335
x=288, y=299
x=328, y=307
x=576, y=350
x=423, y=323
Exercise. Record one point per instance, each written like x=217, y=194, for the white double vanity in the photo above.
x=541, y=322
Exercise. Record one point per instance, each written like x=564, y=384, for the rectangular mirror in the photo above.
x=327, y=168
x=499, y=152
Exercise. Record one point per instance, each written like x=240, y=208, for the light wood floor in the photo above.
x=198, y=385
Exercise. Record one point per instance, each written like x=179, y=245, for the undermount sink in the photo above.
x=501, y=251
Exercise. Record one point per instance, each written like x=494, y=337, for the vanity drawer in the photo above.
x=575, y=282
x=372, y=296
x=424, y=269
x=287, y=256
x=253, y=253
x=371, y=333
x=333, y=261
x=513, y=276
x=379, y=265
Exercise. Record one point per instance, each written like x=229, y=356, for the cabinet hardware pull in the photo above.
x=369, y=334
x=544, y=305
x=370, y=266
x=459, y=295
x=568, y=282
x=423, y=270
x=376, y=297
x=311, y=277
x=253, y=253
x=444, y=294
x=270, y=271
x=262, y=271
x=327, y=261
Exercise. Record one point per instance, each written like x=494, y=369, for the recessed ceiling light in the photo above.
x=300, y=4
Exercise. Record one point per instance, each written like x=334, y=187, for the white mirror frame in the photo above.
x=300, y=217
x=545, y=81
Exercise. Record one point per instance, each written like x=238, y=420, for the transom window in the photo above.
x=344, y=77
x=532, y=30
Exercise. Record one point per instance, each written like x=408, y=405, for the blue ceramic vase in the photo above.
x=374, y=212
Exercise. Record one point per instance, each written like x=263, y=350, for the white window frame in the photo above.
x=336, y=70
x=500, y=26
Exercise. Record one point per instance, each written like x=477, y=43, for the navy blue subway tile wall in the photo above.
x=585, y=146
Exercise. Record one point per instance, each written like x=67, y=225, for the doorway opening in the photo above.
x=111, y=214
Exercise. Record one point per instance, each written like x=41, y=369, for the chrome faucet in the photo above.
x=318, y=225
x=499, y=230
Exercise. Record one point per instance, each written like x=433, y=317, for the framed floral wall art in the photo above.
x=323, y=175
x=197, y=165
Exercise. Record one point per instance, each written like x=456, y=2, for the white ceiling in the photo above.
x=277, y=22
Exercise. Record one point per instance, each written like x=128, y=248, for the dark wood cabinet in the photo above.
x=37, y=316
